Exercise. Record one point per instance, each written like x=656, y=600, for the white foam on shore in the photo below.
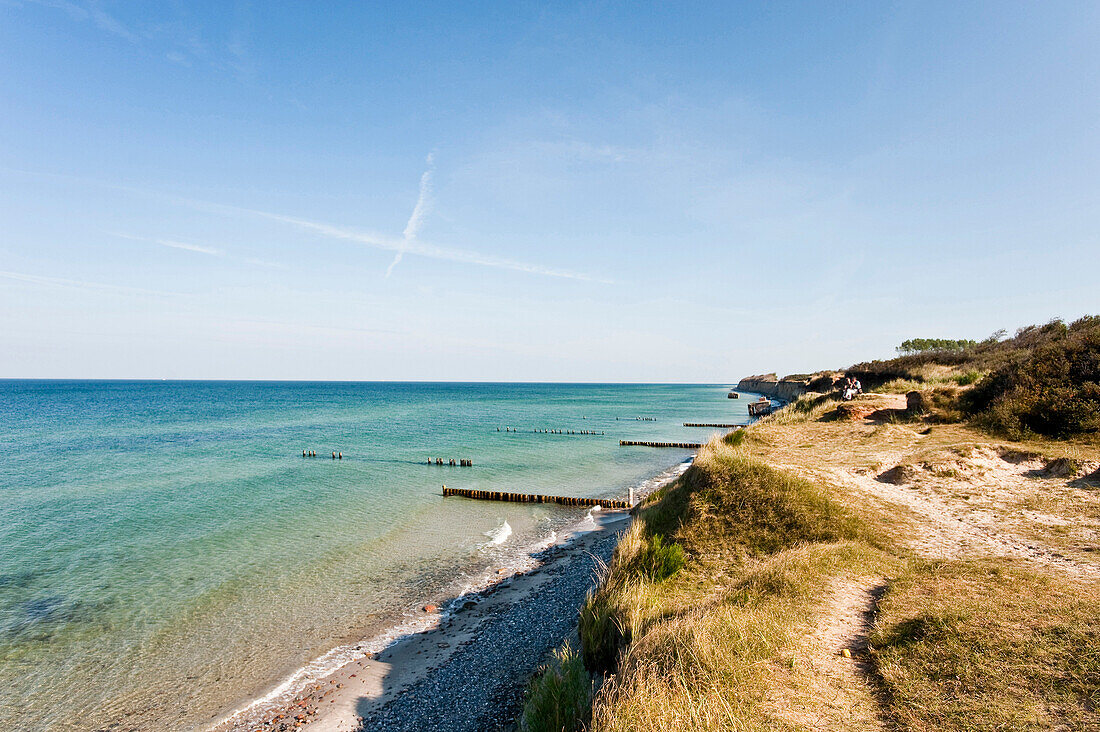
x=500, y=534
x=415, y=621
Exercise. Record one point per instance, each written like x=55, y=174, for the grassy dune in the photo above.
x=872, y=572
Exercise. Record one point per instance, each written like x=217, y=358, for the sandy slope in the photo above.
x=950, y=492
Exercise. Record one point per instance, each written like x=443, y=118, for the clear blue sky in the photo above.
x=612, y=191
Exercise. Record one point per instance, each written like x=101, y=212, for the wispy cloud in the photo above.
x=172, y=33
x=418, y=248
x=200, y=249
x=420, y=210
x=93, y=11
x=81, y=285
x=331, y=231
x=172, y=244
x=264, y=263
x=189, y=247
x=108, y=23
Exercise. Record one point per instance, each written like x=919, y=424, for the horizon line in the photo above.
x=351, y=381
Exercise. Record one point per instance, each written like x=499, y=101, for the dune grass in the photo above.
x=708, y=655
x=699, y=648
x=706, y=616
x=559, y=697
x=989, y=645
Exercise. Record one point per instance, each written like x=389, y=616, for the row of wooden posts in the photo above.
x=686, y=445
x=533, y=498
x=462, y=463
x=710, y=424
x=555, y=431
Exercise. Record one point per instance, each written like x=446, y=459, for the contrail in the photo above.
x=79, y=285
x=335, y=232
x=414, y=247
x=172, y=244
x=419, y=212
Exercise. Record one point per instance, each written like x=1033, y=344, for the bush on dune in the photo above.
x=1044, y=381
x=1050, y=389
x=734, y=504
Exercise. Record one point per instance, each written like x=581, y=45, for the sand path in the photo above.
x=970, y=511
x=836, y=694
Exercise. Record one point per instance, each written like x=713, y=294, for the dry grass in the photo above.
x=989, y=645
x=703, y=649
x=995, y=486
x=774, y=519
x=713, y=665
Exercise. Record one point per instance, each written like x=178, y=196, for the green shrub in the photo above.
x=824, y=383
x=1051, y=388
x=944, y=405
x=657, y=560
x=968, y=378
x=559, y=698
x=924, y=345
x=735, y=438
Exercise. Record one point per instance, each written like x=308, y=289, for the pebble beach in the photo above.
x=469, y=672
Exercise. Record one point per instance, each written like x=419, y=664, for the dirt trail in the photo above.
x=969, y=507
x=953, y=495
x=837, y=694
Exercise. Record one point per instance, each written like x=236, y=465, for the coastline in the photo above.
x=346, y=687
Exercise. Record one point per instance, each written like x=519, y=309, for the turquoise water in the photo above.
x=166, y=553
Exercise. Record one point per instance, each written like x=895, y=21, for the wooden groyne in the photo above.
x=533, y=498
x=710, y=424
x=686, y=445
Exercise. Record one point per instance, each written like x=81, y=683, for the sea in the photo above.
x=168, y=557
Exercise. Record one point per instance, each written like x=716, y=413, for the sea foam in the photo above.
x=500, y=534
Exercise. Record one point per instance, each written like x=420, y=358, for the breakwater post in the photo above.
x=710, y=424
x=533, y=498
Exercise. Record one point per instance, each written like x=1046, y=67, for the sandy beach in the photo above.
x=469, y=671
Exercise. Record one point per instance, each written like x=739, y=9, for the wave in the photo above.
x=500, y=534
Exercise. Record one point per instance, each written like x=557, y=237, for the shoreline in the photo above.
x=373, y=672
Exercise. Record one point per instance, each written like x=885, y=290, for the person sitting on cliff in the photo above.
x=849, y=388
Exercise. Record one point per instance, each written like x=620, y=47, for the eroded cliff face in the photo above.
x=787, y=389
x=772, y=387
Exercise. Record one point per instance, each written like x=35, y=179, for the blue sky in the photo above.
x=520, y=191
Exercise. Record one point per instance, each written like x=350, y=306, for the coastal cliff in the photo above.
x=785, y=389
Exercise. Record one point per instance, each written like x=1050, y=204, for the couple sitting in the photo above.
x=851, y=388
